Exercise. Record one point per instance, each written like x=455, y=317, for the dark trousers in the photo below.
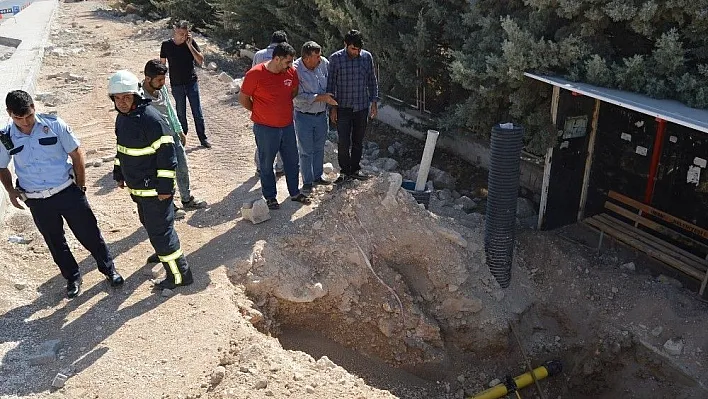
x=351, y=126
x=71, y=205
x=158, y=219
x=190, y=92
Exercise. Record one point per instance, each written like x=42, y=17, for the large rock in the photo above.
x=386, y=164
x=467, y=204
x=524, y=208
x=256, y=212
x=440, y=178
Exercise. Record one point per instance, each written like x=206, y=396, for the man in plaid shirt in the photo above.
x=353, y=84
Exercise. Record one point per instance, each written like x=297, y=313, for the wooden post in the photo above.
x=544, y=187
x=588, y=160
x=655, y=158
x=554, y=104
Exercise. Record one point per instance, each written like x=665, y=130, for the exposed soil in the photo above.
x=361, y=295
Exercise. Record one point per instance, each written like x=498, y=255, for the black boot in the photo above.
x=169, y=282
x=114, y=279
x=73, y=288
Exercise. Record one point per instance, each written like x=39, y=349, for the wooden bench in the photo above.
x=689, y=255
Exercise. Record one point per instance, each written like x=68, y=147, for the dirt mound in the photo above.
x=372, y=270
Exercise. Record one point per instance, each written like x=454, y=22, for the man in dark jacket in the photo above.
x=145, y=164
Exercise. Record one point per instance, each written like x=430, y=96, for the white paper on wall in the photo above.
x=699, y=162
x=641, y=150
x=626, y=137
x=639, y=124
x=694, y=175
x=565, y=144
x=673, y=139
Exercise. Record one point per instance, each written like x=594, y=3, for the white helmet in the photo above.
x=123, y=82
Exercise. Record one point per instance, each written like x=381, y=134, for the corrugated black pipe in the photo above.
x=503, y=191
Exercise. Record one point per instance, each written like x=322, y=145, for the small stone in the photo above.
x=656, y=332
x=468, y=205
x=218, y=375
x=297, y=377
x=18, y=240
x=494, y=382
x=309, y=389
x=674, y=346
x=615, y=290
x=258, y=213
x=224, y=77
x=59, y=380
x=97, y=163
x=324, y=363
x=629, y=266
x=212, y=66
x=261, y=384
x=166, y=293
x=20, y=286
x=460, y=378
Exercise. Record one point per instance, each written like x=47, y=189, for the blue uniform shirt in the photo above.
x=312, y=83
x=263, y=55
x=41, y=157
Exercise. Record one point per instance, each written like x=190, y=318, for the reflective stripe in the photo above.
x=166, y=173
x=116, y=161
x=138, y=152
x=144, y=193
x=175, y=272
x=172, y=256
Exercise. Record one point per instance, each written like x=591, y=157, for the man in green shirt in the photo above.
x=154, y=89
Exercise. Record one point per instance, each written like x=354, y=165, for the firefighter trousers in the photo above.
x=158, y=219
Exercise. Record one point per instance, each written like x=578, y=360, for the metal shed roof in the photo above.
x=669, y=110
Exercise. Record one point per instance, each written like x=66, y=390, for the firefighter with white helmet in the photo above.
x=145, y=164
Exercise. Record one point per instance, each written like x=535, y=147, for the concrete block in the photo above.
x=224, y=77
x=59, y=380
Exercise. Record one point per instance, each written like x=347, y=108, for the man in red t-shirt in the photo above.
x=267, y=91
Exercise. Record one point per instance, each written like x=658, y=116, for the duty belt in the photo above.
x=48, y=192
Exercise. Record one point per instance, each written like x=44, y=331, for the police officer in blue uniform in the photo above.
x=51, y=187
x=145, y=164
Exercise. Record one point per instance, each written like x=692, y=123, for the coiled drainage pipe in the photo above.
x=503, y=190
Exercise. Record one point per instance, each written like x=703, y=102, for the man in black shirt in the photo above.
x=180, y=53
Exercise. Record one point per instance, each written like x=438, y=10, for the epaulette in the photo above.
x=49, y=116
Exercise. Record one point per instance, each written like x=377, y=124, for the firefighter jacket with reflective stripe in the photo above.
x=145, y=158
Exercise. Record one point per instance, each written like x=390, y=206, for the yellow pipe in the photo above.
x=524, y=380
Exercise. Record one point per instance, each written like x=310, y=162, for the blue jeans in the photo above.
x=189, y=91
x=311, y=134
x=270, y=141
x=182, y=170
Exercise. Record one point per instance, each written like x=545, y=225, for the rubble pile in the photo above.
x=372, y=270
